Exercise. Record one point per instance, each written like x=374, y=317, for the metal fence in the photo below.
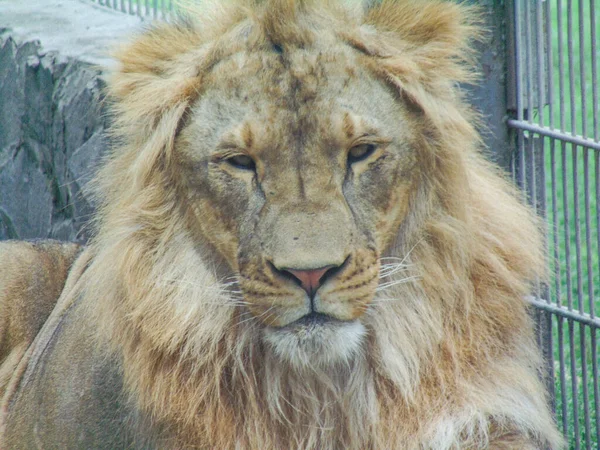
x=154, y=9
x=553, y=97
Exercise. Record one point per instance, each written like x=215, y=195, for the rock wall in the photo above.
x=51, y=138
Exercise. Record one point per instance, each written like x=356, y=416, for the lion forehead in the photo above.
x=303, y=93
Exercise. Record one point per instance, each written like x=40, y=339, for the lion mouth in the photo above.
x=312, y=320
x=316, y=339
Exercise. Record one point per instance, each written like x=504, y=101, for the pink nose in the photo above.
x=310, y=280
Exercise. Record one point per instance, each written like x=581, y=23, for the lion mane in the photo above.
x=448, y=361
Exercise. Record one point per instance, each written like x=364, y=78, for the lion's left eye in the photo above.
x=360, y=152
x=243, y=162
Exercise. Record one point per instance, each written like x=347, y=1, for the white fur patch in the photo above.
x=321, y=344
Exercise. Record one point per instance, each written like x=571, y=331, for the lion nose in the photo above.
x=310, y=280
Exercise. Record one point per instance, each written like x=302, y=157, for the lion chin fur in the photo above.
x=442, y=358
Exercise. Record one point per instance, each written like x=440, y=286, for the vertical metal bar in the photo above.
x=561, y=65
x=513, y=164
x=529, y=61
x=557, y=273
x=572, y=357
x=596, y=387
x=519, y=97
x=597, y=184
x=545, y=321
x=522, y=179
x=584, y=382
x=561, y=105
x=532, y=178
x=532, y=184
x=590, y=291
x=540, y=61
x=595, y=361
x=566, y=228
x=537, y=148
x=518, y=68
x=576, y=219
x=563, y=375
x=556, y=262
x=588, y=231
x=570, y=57
x=574, y=385
x=550, y=65
x=582, y=59
x=595, y=80
x=585, y=385
x=580, y=301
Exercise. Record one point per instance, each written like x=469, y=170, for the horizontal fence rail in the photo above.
x=553, y=93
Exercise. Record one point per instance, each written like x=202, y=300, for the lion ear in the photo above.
x=155, y=81
x=153, y=77
x=425, y=40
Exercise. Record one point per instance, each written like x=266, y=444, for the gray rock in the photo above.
x=26, y=200
x=81, y=167
x=52, y=123
x=52, y=129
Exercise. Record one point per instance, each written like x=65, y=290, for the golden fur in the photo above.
x=440, y=355
x=31, y=279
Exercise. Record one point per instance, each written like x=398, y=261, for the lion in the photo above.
x=298, y=245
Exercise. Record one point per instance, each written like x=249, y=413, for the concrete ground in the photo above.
x=75, y=28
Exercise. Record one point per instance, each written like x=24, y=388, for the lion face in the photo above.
x=302, y=162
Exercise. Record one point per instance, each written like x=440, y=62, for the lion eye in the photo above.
x=243, y=162
x=360, y=152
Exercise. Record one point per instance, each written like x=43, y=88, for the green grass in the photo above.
x=576, y=279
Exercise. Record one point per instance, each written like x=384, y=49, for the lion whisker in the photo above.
x=404, y=258
x=220, y=287
x=386, y=300
x=389, y=271
x=390, y=284
x=253, y=317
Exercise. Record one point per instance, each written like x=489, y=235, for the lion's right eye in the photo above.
x=360, y=152
x=243, y=162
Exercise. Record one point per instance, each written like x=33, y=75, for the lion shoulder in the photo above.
x=32, y=276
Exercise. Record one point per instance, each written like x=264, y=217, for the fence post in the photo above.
x=489, y=95
x=494, y=97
